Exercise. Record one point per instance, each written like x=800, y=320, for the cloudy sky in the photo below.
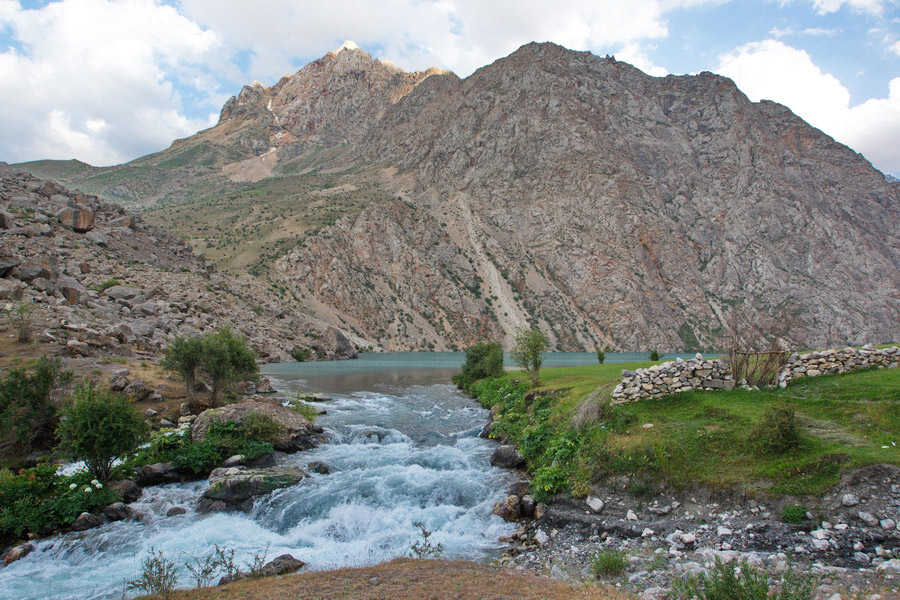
x=106, y=81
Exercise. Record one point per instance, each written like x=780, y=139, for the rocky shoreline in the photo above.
x=848, y=539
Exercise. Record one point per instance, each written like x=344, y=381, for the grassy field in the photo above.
x=703, y=438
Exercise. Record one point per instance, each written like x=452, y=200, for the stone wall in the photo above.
x=685, y=375
x=837, y=361
x=672, y=377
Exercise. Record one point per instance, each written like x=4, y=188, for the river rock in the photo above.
x=594, y=503
x=235, y=486
x=156, y=474
x=175, y=511
x=264, y=386
x=509, y=509
x=117, y=511
x=281, y=565
x=298, y=432
x=16, y=552
x=86, y=521
x=507, y=457
x=317, y=466
x=127, y=489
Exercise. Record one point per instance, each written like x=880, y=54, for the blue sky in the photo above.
x=106, y=81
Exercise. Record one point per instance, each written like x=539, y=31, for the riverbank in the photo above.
x=676, y=483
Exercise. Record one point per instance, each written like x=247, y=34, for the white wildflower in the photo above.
x=72, y=486
x=88, y=490
x=98, y=485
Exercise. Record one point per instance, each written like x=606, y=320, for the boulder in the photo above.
x=6, y=220
x=86, y=521
x=122, y=292
x=507, y=457
x=282, y=565
x=138, y=389
x=509, y=509
x=317, y=466
x=32, y=269
x=298, y=433
x=98, y=238
x=71, y=289
x=156, y=474
x=77, y=348
x=77, y=219
x=16, y=552
x=127, y=489
x=338, y=343
x=10, y=290
x=123, y=221
x=117, y=511
x=264, y=386
x=175, y=511
x=235, y=486
x=7, y=264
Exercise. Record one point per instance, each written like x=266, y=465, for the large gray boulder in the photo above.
x=298, y=432
x=231, y=488
x=507, y=457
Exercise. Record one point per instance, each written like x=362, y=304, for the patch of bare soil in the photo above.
x=407, y=579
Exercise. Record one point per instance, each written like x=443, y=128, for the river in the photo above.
x=403, y=448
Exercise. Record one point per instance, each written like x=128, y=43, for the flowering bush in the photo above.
x=38, y=501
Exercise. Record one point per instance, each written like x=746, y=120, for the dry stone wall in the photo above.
x=672, y=377
x=686, y=375
x=837, y=361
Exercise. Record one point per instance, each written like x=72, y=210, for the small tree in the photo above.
x=601, y=355
x=100, y=427
x=655, y=355
x=183, y=357
x=482, y=360
x=528, y=349
x=226, y=358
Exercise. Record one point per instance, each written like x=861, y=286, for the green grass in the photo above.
x=704, y=437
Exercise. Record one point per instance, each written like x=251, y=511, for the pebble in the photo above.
x=849, y=500
x=888, y=523
x=631, y=516
x=721, y=531
x=867, y=518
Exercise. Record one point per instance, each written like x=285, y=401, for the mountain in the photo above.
x=421, y=210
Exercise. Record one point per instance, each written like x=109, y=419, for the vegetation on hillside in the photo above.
x=799, y=440
x=482, y=360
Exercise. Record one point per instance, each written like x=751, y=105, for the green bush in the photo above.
x=307, y=410
x=655, y=355
x=609, y=563
x=100, y=427
x=777, y=431
x=106, y=285
x=29, y=405
x=793, y=513
x=300, y=354
x=482, y=360
x=728, y=581
x=601, y=355
x=38, y=501
x=183, y=357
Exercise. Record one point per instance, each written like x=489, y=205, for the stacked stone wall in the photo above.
x=699, y=374
x=831, y=362
x=673, y=377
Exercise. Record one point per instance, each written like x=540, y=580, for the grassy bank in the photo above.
x=704, y=438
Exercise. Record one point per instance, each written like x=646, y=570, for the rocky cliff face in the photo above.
x=99, y=280
x=614, y=207
x=558, y=188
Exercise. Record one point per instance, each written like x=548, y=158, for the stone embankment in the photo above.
x=686, y=375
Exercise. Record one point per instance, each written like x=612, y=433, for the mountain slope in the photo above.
x=551, y=187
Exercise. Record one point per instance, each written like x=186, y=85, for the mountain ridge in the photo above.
x=557, y=188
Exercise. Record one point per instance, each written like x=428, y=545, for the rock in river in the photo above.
x=231, y=488
x=298, y=432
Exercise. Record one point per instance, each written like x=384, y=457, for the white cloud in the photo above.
x=775, y=71
x=875, y=7
x=460, y=35
x=635, y=55
x=95, y=79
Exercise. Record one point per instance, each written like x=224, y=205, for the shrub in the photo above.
x=158, y=576
x=742, y=582
x=528, y=351
x=793, y=513
x=655, y=355
x=482, y=360
x=609, y=563
x=106, y=285
x=425, y=548
x=99, y=428
x=307, y=410
x=601, y=355
x=21, y=318
x=37, y=501
x=29, y=404
x=300, y=354
x=777, y=431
